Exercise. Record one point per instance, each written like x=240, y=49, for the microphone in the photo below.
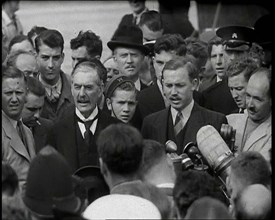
x=214, y=149
x=180, y=162
x=191, y=149
x=170, y=146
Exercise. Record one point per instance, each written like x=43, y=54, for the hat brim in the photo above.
x=44, y=208
x=239, y=48
x=114, y=44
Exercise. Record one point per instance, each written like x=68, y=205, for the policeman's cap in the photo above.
x=238, y=38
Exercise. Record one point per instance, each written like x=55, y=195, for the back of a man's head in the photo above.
x=254, y=202
x=193, y=184
x=250, y=167
x=154, y=158
x=35, y=86
x=120, y=148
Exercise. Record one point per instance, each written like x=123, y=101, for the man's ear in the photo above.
x=108, y=102
x=103, y=168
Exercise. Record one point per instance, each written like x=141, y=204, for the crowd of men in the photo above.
x=93, y=143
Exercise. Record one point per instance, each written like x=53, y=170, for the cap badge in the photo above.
x=234, y=35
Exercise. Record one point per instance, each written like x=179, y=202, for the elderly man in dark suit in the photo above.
x=184, y=118
x=75, y=133
x=17, y=139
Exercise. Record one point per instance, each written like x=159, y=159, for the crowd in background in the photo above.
x=175, y=124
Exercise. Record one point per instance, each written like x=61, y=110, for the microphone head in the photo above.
x=191, y=150
x=170, y=146
x=214, y=149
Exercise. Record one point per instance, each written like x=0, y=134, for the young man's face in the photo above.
x=50, y=61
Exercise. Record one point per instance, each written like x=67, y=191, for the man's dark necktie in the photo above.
x=178, y=124
x=19, y=128
x=88, y=135
x=241, y=110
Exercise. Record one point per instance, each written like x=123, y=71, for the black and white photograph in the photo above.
x=136, y=109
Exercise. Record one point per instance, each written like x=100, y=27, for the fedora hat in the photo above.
x=92, y=182
x=128, y=36
x=49, y=184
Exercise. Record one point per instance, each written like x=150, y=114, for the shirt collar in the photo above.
x=91, y=117
x=166, y=185
x=138, y=85
x=139, y=15
x=186, y=112
x=219, y=79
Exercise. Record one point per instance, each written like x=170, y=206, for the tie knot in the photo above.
x=89, y=123
x=179, y=115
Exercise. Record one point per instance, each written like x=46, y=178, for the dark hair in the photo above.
x=35, y=30
x=92, y=63
x=153, y=153
x=180, y=62
x=240, y=65
x=52, y=38
x=250, y=167
x=120, y=147
x=191, y=185
x=18, y=39
x=90, y=40
x=35, y=86
x=197, y=49
x=214, y=41
x=12, y=72
x=171, y=42
x=152, y=20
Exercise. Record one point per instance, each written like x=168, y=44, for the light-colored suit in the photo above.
x=14, y=152
x=260, y=138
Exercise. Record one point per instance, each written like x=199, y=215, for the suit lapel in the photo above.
x=15, y=140
x=257, y=134
x=194, y=123
x=161, y=125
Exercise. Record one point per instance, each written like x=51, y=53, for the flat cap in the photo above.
x=115, y=82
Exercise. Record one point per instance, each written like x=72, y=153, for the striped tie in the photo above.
x=178, y=123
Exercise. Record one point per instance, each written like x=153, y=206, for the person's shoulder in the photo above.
x=209, y=112
x=156, y=115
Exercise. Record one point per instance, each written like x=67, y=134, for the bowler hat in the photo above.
x=237, y=38
x=115, y=82
x=93, y=182
x=128, y=36
x=49, y=184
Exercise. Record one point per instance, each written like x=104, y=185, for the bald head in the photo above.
x=254, y=202
x=258, y=96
